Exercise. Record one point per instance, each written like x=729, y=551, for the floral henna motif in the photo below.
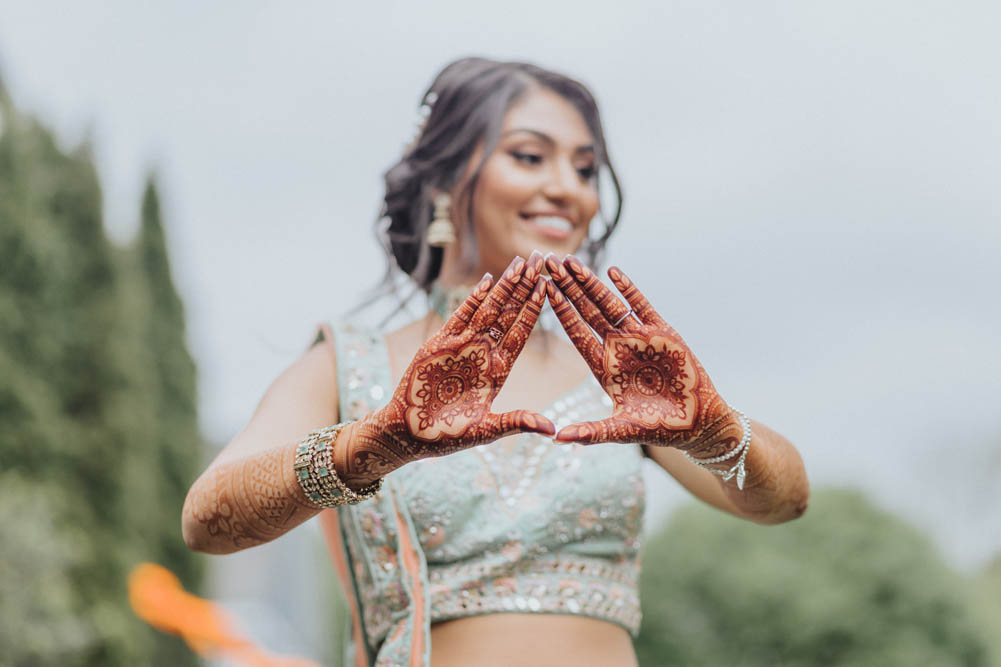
x=651, y=380
x=442, y=404
x=661, y=394
x=449, y=392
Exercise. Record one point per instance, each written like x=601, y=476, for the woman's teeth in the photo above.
x=552, y=222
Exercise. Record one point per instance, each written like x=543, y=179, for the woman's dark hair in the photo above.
x=468, y=101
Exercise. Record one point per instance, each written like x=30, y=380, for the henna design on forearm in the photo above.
x=247, y=502
x=661, y=394
x=442, y=404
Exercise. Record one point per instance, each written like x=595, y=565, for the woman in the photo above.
x=521, y=545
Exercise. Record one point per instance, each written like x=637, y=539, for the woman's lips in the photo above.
x=550, y=226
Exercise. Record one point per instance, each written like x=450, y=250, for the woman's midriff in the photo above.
x=530, y=640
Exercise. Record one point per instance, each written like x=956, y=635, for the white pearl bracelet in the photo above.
x=738, y=469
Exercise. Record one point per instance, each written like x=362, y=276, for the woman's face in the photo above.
x=538, y=189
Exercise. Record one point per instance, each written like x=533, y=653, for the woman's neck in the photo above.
x=443, y=300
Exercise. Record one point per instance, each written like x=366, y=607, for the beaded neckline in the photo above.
x=445, y=300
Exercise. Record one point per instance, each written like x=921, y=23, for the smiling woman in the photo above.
x=538, y=188
x=514, y=126
x=492, y=537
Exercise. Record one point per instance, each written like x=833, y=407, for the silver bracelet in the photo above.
x=738, y=469
x=314, y=468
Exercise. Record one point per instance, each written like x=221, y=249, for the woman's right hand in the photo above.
x=442, y=404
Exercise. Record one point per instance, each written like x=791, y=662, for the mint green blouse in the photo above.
x=544, y=529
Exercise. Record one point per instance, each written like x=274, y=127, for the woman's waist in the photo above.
x=502, y=639
x=561, y=583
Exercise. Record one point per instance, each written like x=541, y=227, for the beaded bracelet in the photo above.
x=314, y=468
x=738, y=469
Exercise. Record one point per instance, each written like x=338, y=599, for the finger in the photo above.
x=516, y=337
x=579, y=333
x=463, y=315
x=518, y=421
x=591, y=433
x=576, y=295
x=640, y=305
x=502, y=290
x=521, y=294
x=616, y=312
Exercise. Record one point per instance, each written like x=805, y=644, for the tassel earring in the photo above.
x=441, y=231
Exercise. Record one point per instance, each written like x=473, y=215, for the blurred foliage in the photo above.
x=847, y=584
x=97, y=401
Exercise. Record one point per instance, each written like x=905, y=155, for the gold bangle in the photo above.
x=314, y=468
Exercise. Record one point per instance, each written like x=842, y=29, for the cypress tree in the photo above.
x=99, y=437
x=174, y=447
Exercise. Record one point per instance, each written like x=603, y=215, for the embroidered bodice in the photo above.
x=529, y=526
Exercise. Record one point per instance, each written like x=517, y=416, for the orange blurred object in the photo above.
x=158, y=598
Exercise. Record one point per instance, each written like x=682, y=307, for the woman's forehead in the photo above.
x=545, y=112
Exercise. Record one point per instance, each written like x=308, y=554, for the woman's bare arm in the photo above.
x=662, y=397
x=776, y=489
x=249, y=495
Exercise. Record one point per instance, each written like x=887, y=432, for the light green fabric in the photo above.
x=527, y=526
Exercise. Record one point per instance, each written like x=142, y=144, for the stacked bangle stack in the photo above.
x=737, y=470
x=314, y=468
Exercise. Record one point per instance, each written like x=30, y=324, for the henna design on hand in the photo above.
x=442, y=404
x=447, y=392
x=651, y=380
x=661, y=394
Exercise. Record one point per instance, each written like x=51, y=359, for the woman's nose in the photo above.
x=562, y=182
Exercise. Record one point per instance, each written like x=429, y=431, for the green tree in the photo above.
x=99, y=436
x=845, y=585
x=159, y=403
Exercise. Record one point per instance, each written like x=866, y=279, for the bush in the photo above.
x=847, y=584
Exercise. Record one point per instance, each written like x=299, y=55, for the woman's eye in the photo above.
x=587, y=173
x=527, y=158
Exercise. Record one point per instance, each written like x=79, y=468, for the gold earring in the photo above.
x=441, y=231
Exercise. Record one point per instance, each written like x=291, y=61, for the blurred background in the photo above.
x=811, y=198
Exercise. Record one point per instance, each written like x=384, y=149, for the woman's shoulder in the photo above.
x=313, y=373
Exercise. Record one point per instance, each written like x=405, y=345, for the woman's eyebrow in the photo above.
x=542, y=136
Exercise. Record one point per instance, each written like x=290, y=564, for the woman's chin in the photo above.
x=559, y=247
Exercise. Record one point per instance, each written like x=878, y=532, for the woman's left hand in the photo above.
x=661, y=394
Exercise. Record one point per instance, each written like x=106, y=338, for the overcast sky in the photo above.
x=812, y=193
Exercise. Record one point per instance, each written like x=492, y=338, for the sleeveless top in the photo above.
x=544, y=528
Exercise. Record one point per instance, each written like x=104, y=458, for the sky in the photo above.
x=811, y=194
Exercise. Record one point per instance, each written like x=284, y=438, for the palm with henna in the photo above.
x=442, y=404
x=661, y=394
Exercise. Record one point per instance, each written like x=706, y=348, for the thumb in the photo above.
x=518, y=421
x=591, y=433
